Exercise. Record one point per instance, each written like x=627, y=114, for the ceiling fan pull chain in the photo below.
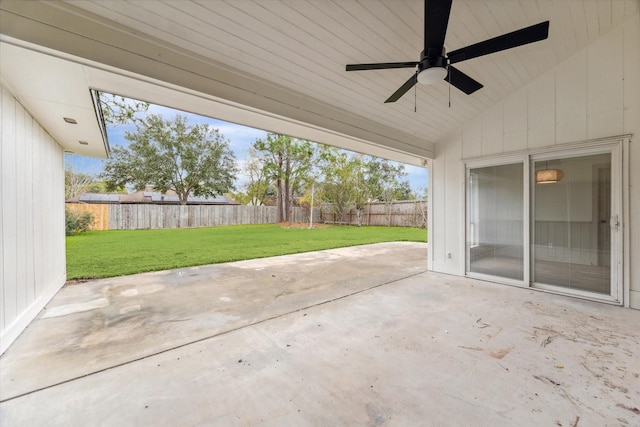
x=415, y=96
x=449, y=90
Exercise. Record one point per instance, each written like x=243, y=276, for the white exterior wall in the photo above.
x=592, y=94
x=32, y=250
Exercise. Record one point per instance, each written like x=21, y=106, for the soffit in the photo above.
x=52, y=89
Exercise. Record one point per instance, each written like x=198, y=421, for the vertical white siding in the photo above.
x=472, y=139
x=449, y=200
x=541, y=111
x=631, y=125
x=605, y=106
x=32, y=250
x=9, y=211
x=492, y=136
x=438, y=239
x=592, y=94
x=515, y=121
x=571, y=98
x=2, y=248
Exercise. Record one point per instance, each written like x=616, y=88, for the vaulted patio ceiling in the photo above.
x=280, y=65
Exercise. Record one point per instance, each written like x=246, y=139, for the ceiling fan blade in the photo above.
x=520, y=37
x=463, y=82
x=403, y=89
x=380, y=66
x=436, y=20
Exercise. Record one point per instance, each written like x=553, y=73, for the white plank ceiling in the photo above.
x=303, y=46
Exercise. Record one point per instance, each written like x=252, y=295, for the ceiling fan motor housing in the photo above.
x=430, y=61
x=432, y=67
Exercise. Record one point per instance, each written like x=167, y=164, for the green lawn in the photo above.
x=114, y=253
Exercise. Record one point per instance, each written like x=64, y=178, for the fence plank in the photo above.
x=403, y=213
x=100, y=214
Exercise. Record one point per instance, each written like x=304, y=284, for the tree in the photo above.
x=352, y=181
x=285, y=163
x=76, y=183
x=298, y=164
x=344, y=187
x=420, y=193
x=384, y=180
x=258, y=186
x=309, y=200
x=101, y=186
x=258, y=190
x=173, y=155
x=118, y=110
x=421, y=196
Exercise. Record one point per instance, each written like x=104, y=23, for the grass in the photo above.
x=99, y=254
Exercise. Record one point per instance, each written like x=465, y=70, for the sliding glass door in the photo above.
x=571, y=223
x=495, y=243
x=548, y=221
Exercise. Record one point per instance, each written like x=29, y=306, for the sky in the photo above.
x=240, y=140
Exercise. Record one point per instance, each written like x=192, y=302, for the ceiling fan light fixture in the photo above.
x=432, y=75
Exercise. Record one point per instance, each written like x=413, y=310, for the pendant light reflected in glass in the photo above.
x=548, y=176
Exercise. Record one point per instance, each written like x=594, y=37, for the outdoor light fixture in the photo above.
x=83, y=143
x=70, y=120
x=548, y=176
x=432, y=75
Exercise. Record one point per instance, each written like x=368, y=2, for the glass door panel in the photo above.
x=495, y=236
x=570, y=220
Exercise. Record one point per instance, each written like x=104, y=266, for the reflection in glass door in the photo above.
x=495, y=244
x=570, y=223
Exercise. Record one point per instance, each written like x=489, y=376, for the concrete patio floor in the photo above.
x=344, y=337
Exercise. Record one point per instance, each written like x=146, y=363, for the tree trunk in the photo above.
x=182, y=197
x=279, y=198
x=287, y=199
x=287, y=190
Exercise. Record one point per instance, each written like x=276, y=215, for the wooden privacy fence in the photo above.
x=144, y=216
x=404, y=213
x=100, y=213
x=409, y=213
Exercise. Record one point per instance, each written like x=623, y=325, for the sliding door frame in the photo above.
x=490, y=162
x=614, y=149
x=617, y=147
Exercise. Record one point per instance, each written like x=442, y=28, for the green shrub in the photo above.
x=77, y=222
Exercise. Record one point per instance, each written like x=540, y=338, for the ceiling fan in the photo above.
x=435, y=63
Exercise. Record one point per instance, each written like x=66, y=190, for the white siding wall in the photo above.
x=593, y=94
x=32, y=249
x=447, y=189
